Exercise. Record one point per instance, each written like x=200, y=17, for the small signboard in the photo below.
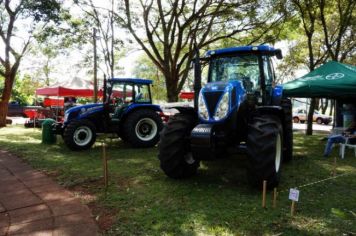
x=294, y=194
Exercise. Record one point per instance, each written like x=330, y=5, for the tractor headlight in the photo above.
x=203, y=111
x=223, y=107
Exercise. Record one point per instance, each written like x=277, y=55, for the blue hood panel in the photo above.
x=83, y=111
x=213, y=92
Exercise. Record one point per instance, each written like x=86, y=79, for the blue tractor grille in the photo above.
x=211, y=100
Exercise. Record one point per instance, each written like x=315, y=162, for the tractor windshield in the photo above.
x=243, y=67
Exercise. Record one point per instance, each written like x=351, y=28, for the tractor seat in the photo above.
x=118, y=111
x=247, y=83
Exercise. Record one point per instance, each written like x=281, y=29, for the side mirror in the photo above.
x=279, y=54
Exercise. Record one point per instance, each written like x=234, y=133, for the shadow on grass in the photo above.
x=215, y=202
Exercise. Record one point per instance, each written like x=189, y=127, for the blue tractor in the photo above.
x=127, y=110
x=239, y=107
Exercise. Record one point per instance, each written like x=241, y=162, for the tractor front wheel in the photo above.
x=142, y=127
x=264, y=150
x=174, y=148
x=79, y=135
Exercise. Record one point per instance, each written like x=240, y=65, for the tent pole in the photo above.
x=57, y=108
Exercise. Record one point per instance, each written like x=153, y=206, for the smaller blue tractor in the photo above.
x=127, y=110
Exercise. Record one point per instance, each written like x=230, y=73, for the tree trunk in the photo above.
x=3, y=112
x=310, y=117
x=325, y=106
x=9, y=81
x=332, y=104
x=172, y=88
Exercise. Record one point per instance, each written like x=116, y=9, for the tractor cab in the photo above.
x=234, y=75
x=125, y=93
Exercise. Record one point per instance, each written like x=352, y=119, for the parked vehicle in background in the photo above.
x=301, y=116
x=15, y=109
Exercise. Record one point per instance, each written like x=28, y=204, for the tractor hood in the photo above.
x=82, y=111
x=218, y=100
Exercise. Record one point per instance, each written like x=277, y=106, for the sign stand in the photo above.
x=264, y=193
x=294, y=196
x=292, y=208
x=274, y=203
x=105, y=166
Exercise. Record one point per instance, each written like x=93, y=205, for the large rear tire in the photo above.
x=142, y=128
x=174, y=147
x=288, y=131
x=264, y=150
x=79, y=135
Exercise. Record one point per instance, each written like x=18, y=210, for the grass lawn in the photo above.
x=141, y=200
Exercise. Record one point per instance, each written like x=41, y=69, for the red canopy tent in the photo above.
x=70, y=88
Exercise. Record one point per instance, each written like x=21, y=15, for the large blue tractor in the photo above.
x=127, y=110
x=240, y=107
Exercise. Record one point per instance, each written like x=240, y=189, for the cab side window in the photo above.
x=142, y=94
x=267, y=71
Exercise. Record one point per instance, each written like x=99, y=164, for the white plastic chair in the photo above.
x=344, y=145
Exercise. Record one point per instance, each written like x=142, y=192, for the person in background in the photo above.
x=340, y=138
x=69, y=102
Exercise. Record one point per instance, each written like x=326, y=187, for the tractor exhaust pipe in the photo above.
x=105, y=90
x=197, y=77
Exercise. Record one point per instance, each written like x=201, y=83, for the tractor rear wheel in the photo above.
x=174, y=148
x=79, y=135
x=288, y=130
x=141, y=128
x=264, y=150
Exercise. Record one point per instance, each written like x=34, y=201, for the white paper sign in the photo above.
x=294, y=194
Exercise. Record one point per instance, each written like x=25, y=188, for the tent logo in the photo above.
x=334, y=76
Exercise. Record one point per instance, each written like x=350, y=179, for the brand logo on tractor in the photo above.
x=201, y=130
x=85, y=111
x=334, y=76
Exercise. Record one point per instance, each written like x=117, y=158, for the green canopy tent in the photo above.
x=331, y=80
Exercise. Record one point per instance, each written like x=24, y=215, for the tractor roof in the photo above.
x=132, y=80
x=244, y=49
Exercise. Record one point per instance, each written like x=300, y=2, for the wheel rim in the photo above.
x=82, y=135
x=146, y=129
x=188, y=157
x=296, y=120
x=318, y=121
x=278, y=153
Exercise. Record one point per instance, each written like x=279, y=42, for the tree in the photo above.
x=101, y=17
x=168, y=31
x=328, y=29
x=11, y=13
x=144, y=68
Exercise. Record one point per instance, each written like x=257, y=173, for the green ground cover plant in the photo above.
x=218, y=201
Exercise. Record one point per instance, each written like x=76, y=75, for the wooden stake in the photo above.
x=274, y=204
x=292, y=208
x=105, y=166
x=334, y=169
x=264, y=193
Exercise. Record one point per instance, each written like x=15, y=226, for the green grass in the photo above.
x=218, y=201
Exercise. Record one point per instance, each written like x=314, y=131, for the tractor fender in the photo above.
x=272, y=110
x=135, y=107
x=186, y=110
x=277, y=93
